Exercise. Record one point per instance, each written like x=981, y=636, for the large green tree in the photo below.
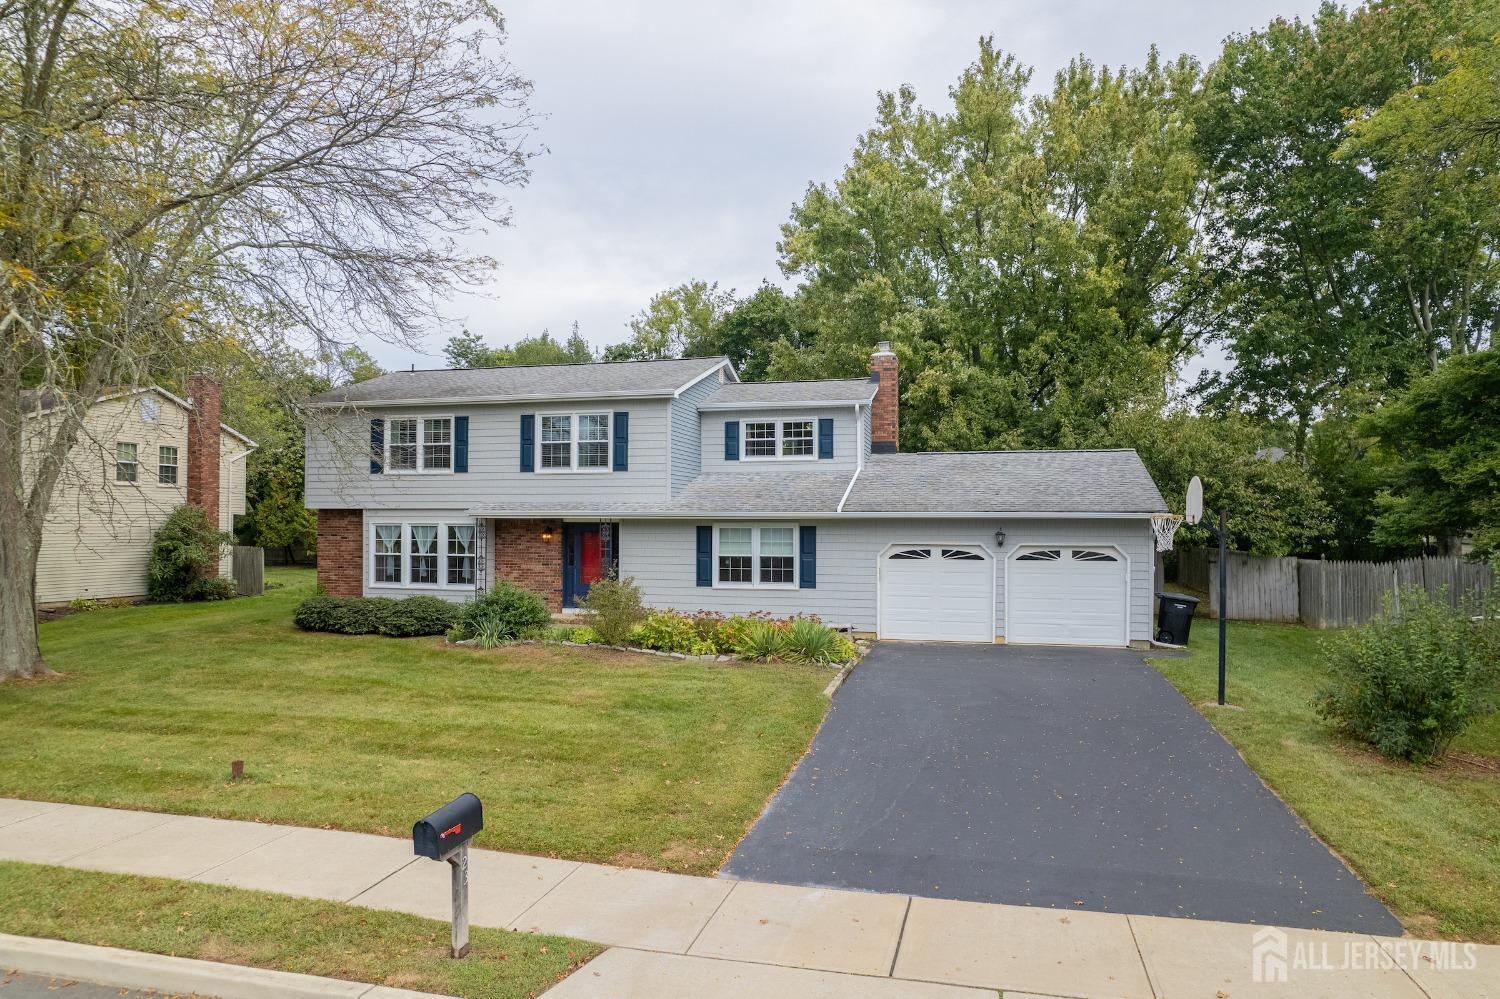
x=678, y=322
x=1356, y=242
x=1444, y=434
x=1035, y=261
x=468, y=350
x=174, y=173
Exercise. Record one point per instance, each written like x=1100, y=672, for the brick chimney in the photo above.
x=203, y=446
x=885, y=411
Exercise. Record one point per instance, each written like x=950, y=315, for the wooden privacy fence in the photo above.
x=248, y=567
x=1319, y=593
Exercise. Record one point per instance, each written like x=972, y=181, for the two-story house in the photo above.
x=716, y=494
x=141, y=453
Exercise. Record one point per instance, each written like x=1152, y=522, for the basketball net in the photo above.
x=1164, y=525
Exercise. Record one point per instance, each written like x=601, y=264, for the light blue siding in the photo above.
x=687, y=440
x=846, y=440
x=660, y=556
x=338, y=477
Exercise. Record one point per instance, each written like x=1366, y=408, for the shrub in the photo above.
x=1409, y=681
x=506, y=610
x=665, y=631
x=488, y=634
x=184, y=552
x=703, y=647
x=613, y=608
x=585, y=635
x=844, y=651
x=375, y=615
x=417, y=616
x=810, y=642
x=212, y=588
x=762, y=640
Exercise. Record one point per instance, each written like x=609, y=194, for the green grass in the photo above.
x=1426, y=839
x=577, y=753
x=253, y=928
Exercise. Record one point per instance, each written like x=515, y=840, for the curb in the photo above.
x=135, y=970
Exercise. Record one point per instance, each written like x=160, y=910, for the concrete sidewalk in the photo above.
x=682, y=936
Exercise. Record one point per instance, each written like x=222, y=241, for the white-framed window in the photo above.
x=772, y=440
x=127, y=468
x=419, y=444
x=573, y=442
x=461, y=555
x=422, y=553
x=755, y=555
x=166, y=465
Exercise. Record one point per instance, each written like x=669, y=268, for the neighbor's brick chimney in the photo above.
x=203, y=446
x=885, y=411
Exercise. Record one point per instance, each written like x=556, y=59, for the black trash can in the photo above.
x=1174, y=617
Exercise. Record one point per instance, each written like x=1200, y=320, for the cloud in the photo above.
x=679, y=135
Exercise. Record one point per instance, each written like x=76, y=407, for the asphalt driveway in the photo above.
x=1068, y=778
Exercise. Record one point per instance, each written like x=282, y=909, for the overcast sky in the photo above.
x=679, y=134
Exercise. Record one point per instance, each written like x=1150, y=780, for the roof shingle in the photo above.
x=1006, y=481
x=538, y=381
x=846, y=390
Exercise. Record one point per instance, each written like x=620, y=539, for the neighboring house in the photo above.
x=785, y=497
x=140, y=455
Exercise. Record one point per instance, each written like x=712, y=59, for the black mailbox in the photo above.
x=448, y=828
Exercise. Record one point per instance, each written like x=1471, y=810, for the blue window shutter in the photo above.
x=825, y=437
x=377, y=446
x=528, y=442
x=622, y=441
x=460, y=443
x=731, y=440
x=705, y=556
x=807, y=572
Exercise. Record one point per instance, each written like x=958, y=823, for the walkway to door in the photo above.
x=1062, y=777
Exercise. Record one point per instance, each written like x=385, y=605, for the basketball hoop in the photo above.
x=1164, y=525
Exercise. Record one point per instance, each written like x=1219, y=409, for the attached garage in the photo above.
x=937, y=593
x=1067, y=595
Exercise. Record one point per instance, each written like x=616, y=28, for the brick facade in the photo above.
x=885, y=411
x=203, y=448
x=341, y=550
x=524, y=557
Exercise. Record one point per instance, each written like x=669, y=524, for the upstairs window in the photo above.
x=574, y=442
x=768, y=440
x=126, y=467
x=166, y=466
x=419, y=444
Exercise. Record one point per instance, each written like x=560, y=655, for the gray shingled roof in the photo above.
x=537, y=381
x=788, y=490
x=849, y=390
x=1006, y=481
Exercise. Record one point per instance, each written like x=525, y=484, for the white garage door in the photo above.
x=1066, y=596
x=937, y=593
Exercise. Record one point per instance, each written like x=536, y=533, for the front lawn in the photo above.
x=311, y=937
x=577, y=753
x=1426, y=839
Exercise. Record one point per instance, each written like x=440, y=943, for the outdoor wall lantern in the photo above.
x=546, y=534
x=999, y=537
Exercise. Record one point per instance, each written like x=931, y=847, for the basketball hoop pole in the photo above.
x=1223, y=533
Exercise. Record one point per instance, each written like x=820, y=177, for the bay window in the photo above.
x=423, y=554
x=755, y=556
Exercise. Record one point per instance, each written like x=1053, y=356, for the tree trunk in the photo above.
x=20, y=655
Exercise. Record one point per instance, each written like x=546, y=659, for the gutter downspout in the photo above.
x=859, y=465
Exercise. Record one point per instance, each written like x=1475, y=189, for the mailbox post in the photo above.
x=445, y=835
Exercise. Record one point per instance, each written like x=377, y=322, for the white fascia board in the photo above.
x=814, y=514
x=756, y=406
x=374, y=404
x=250, y=444
x=721, y=366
